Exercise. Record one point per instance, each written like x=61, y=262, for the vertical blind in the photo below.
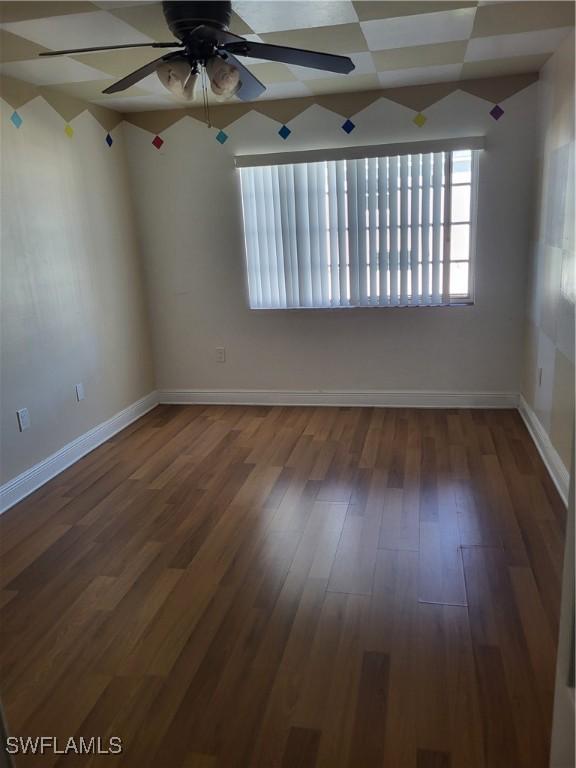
x=346, y=233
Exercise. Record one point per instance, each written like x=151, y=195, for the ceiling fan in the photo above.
x=203, y=40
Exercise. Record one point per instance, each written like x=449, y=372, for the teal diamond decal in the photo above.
x=284, y=132
x=16, y=119
x=221, y=137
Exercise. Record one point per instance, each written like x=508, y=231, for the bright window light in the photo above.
x=389, y=231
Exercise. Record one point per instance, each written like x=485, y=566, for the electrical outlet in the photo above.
x=220, y=355
x=80, y=392
x=23, y=419
x=539, y=377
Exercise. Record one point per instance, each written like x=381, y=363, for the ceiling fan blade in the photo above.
x=302, y=58
x=250, y=86
x=112, y=48
x=219, y=36
x=139, y=74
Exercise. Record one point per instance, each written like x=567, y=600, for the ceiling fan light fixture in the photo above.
x=177, y=77
x=224, y=78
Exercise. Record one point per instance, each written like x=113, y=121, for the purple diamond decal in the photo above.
x=109, y=140
x=496, y=112
x=16, y=120
x=348, y=126
x=221, y=137
x=284, y=132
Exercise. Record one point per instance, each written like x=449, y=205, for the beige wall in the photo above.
x=550, y=336
x=188, y=210
x=548, y=382
x=73, y=307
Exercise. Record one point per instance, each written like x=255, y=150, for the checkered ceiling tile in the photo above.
x=392, y=44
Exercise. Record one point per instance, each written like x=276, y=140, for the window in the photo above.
x=377, y=231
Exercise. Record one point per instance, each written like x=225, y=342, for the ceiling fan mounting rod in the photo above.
x=184, y=17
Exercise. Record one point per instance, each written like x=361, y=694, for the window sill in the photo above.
x=454, y=304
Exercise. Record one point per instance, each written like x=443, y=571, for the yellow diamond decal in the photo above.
x=69, y=131
x=420, y=119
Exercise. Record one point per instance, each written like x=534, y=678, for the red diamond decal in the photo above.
x=157, y=141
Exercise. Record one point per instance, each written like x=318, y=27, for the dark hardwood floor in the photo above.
x=241, y=586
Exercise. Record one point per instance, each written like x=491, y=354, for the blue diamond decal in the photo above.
x=348, y=126
x=221, y=137
x=284, y=132
x=16, y=119
x=109, y=140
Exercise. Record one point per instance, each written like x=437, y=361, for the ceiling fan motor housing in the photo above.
x=183, y=17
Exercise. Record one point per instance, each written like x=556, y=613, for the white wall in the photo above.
x=548, y=383
x=550, y=337
x=73, y=306
x=188, y=211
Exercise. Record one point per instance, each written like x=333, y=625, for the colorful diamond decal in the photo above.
x=419, y=120
x=496, y=112
x=348, y=126
x=284, y=132
x=16, y=119
x=157, y=141
x=221, y=137
x=69, y=131
x=109, y=140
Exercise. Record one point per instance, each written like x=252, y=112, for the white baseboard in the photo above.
x=339, y=398
x=24, y=484
x=554, y=464
x=21, y=486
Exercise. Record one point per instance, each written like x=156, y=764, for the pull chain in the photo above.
x=205, y=99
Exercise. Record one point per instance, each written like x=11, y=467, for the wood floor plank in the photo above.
x=491, y=591
x=312, y=702
x=370, y=719
x=399, y=528
x=276, y=723
x=301, y=749
x=541, y=646
x=500, y=744
x=426, y=758
x=342, y=696
x=441, y=573
x=28, y=554
x=466, y=743
x=14, y=529
x=66, y=711
x=263, y=587
x=126, y=698
x=353, y=569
